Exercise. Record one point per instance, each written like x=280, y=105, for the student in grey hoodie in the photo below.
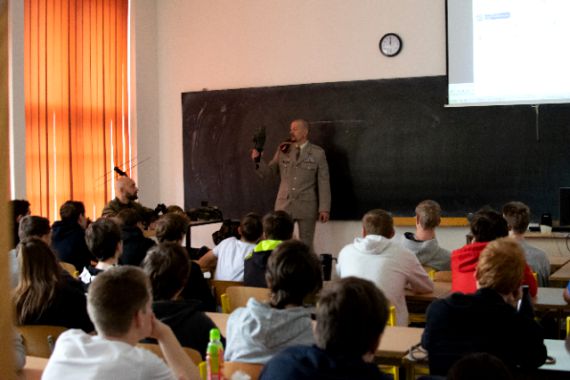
x=424, y=243
x=258, y=331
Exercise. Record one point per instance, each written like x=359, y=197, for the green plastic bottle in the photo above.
x=215, y=356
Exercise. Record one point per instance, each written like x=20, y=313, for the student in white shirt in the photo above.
x=119, y=304
x=228, y=256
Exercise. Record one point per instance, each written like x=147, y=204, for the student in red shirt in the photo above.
x=486, y=225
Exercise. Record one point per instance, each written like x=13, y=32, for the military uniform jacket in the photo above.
x=115, y=206
x=304, y=189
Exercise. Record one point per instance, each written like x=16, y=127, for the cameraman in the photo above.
x=126, y=194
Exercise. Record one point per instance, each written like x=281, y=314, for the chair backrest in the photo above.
x=70, y=268
x=252, y=369
x=194, y=355
x=219, y=288
x=39, y=340
x=391, y=316
x=430, y=271
x=239, y=295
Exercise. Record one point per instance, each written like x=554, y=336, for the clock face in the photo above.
x=390, y=44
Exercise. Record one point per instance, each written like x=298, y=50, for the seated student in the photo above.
x=119, y=303
x=277, y=227
x=351, y=316
x=387, y=264
x=29, y=226
x=44, y=296
x=258, y=331
x=486, y=225
x=103, y=238
x=517, y=215
x=135, y=244
x=486, y=321
x=228, y=256
x=167, y=267
x=424, y=243
x=19, y=208
x=172, y=228
x=68, y=236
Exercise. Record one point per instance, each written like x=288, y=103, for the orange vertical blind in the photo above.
x=75, y=93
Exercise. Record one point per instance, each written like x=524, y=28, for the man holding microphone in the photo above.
x=304, y=191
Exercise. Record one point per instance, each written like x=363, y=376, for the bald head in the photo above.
x=126, y=189
x=299, y=131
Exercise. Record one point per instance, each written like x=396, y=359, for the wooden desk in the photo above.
x=33, y=369
x=440, y=290
x=551, y=298
x=418, y=303
x=220, y=319
x=554, y=244
x=556, y=262
x=557, y=349
x=561, y=276
x=394, y=344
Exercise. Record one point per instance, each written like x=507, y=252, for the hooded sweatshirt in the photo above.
x=428, y=252
x=388, y=265
x=135, y=246
x=464, y=262
x=68, y=240
x=190, y=325
x=257, y=332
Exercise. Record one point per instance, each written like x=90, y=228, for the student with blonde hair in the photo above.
x=423, y=243
x=488, y=320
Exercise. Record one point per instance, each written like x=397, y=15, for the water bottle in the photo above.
x=525, y=304
x=215, y=356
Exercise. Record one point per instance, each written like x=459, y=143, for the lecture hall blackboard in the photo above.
x=389, y=143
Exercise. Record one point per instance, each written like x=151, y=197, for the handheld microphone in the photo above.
x=285, y=145
x=120, y=172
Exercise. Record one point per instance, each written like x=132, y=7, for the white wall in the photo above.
x=220, y=44
x=17, y=105
x=144, y=97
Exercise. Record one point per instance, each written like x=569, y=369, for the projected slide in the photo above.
x=520, y=52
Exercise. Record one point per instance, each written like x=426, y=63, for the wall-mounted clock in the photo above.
x=390, y=44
